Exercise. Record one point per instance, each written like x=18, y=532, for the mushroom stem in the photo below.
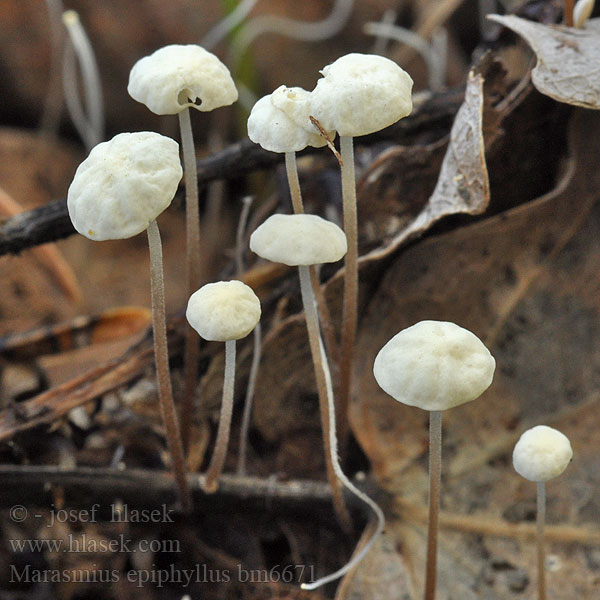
x=256, y=354
x=211, y=482
x=540, y=539
x=192, y=260
x=435, y=480
x=317, y=348
x=291, y=169
x=325, y=405
x=350, y=310
x=257, y=347
x=167, y=406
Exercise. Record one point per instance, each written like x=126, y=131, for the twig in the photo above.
x=51, y=222
x=53, y=404
x=32, y=485
x=488, y=525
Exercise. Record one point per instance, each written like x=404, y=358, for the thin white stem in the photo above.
x=239, y=235
x=350, y=309
x=211, y=481
x=540, y=539
x=435, y=482
x=161, y=354
x=72, y=99
x=321, y=363
x=229, y=23
x=314, y=337
x=256, y=353
x=192, y=265
x=94, y=119
x=291, y=169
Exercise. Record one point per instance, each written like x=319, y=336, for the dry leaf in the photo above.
x=383, y=569
x=567, y=68
x=526, y=282
x=462, y=185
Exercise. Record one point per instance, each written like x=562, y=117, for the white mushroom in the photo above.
x=123, y=185
x=117, y=192
x=225, y=311
x=303, y=240
x=280, y=122
x=542, y=453
x=434, y=365
x=357, y=95
x=177, y=77
x=299, y=240
x=171, y=81
x=360, y=94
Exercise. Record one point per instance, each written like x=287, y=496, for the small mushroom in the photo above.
x=225, y=311
x=170, y=81
x=542, y=453
x=434, y=365
x=357, y=95
x=118, y=191
x=280, y=122
x=302, y=240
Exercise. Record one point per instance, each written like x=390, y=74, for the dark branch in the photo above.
x=145, y=489
x=51, y=222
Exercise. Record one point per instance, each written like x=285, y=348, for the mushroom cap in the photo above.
x=542, y=453
x=174, y=77
x=434, y=365
x=280, y=121
x=300, y=239
x=360, y=94
x=123, y=185
x=223, y=311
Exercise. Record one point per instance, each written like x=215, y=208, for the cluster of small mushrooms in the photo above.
x=124, y=184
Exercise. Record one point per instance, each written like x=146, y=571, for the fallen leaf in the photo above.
x=567, y=59
x=526, y=282
x=462, y=185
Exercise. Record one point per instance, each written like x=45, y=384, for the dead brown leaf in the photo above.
x=567, y=68
x=462, y=185
x=526, y=282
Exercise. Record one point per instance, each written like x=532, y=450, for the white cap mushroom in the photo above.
x=299, y=240
x=123, y=185
x=117, y=192
x=225, y=311
x=174, y=77
x=542, y=453
x=434, y=365
x=222, y=311
x=280, y=121
x=173, y=80
x=360, y=94
x=357, y=95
